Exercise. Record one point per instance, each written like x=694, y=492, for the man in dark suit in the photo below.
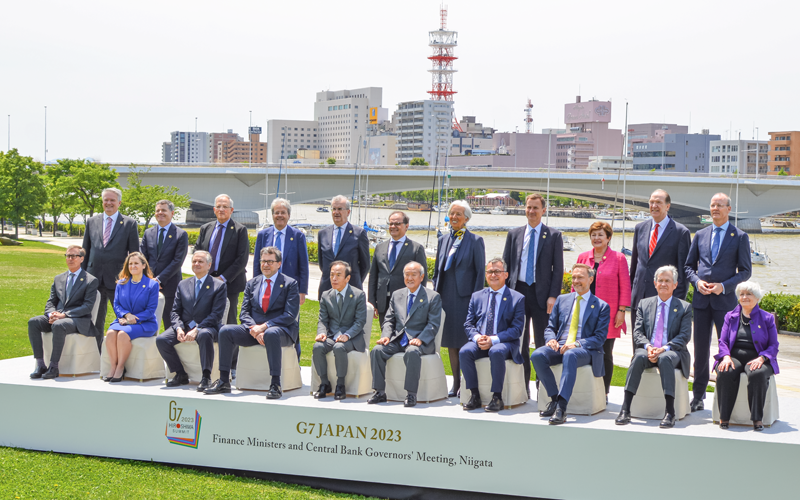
x=662, y=333
x=227, y=242
x=165, y=246
x=342, y=316
x=536, y=270
x=68, y=310
x=342, y=241
x=108, y=240
x=388, y=261
x=495, y=321
x=269, y=311
x=411, y=325
x=657, y=242
x=196, y=315
x=719, y=259
x=575, y=335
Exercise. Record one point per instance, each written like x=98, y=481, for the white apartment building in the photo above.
x=342, y=117
x=424, y=128
x=731, y=156
x=285, y=137
x=188, y=147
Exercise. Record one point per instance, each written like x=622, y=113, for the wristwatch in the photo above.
x=577, y=343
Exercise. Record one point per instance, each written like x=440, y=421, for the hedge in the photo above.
x=786, y=308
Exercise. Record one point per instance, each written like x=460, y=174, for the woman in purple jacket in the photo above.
x=749, y=344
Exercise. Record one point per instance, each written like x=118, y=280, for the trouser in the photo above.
x=169, y=300
x=239, y=335
x=497, y=354
x=320, y=359
x=536, y=315
x=545, y=357
x=106, y=296
x=704, y=319
x=205, y=339
x=60, y=329
x=757, y=384
x=608, y=362
x=413, y=359
x=667, y=362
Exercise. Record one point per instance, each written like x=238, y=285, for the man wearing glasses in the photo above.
x=68, y=310
x=342, y=241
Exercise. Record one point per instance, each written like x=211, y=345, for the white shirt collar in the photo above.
x=112, y=217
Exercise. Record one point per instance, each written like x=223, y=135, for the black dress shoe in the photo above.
x=696, y=405
x=496, y=404
x=559, y=417
x=322, y=392
x=204, y=384
x=550, y=410
x=51, y=373
x=218, y=387
x=118, y=379
x=623, y=418
x=758, y=427
x=724, y=425
x=474, y=402
x=274, y=392
x=340, y=393
x=411, y=400
x=178, y=380
x=668, y=422
x=378, y=397
x=39, y=371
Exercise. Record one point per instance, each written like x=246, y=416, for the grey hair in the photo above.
x=417, y=265
x=340, y=197
x=281, y=201
x=223, y=196
x=727, y=198
x=500, y=260
x=750, y=286
x=167, y=203
x=204, y=254
x=666, y=269
x=113, y=190
x=463, y=204
x=274, y=251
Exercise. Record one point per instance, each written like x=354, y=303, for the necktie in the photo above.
x=265, y=298
x=654, y=239
x=573, y=326
x=107, y=231
x=215, y=244
x=453, y=248
x=715, y=244
x=404, y=338
x=339, y=301
x=197, y=288
x=278, y=238
x=490, y=316
x=338, y=241
x=392, y=254
x=658, y=336
x=70, y=282
x=160, y=240
x=529, y=267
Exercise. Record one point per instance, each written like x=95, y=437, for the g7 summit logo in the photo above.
x=602, y=110
x=183, y=430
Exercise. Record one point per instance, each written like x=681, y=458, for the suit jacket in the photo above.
x=510, y=318
x=80, y=303
x=354, y=249
x=294, y=261
x=384, y=280
x=763, y=330
x=469, y=263
x=549, y=261
x=422, y=321
x=284, y=305
x=612, y=284
x=105, y=262
x=679, y=327
x=671, y=250
x=166, y=266
x=234, y=251
x=593, y=330
x=139, y=299
x=206, y=311
x=350, y=320
x=733, y=266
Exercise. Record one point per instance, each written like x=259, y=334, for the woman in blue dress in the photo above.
x=135, y=303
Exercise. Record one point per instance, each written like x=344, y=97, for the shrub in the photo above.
x=785, y=307
x=431, y=267
x=566, y=284
x=312, y=251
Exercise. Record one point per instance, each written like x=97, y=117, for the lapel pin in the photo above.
x=504, y=298
x=207, y=287
x=170, y=236
x=731, y=234
x=351, y=231
x=351, y=295
x=759, y=326
x=420, y=300
x=592, y=306
x=406, y=244
x=120, y=222
x=143, y=286
x=291, y=239
x=604, y=257
x=544, y=236
x=81, y=279
x=674, y=310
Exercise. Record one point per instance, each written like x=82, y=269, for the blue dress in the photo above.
x=139, y=299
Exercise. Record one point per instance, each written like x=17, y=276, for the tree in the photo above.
x=87, y=180
x=515, y=195
x=57, y=197
x=418, y=161
x=22, y=191
x=139, y=200
x=331, y=161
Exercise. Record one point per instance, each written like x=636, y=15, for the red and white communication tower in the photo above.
x=528, y=117
x=443, y=43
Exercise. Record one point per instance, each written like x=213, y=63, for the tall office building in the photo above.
x=252, y=151
x=216, y=140
x=782, y=157
x=188, y=147
x=287, y=136
x=166, y=152
x=587, y=134
x=342, y=117
x=678, y=153
x=730, y=157
x=640, y=133
x=423, y=130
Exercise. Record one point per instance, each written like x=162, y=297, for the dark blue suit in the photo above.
x=354, y=249
x=295, y=254
x=205, y=313
x=733, y=266
x=281, y=319
x=510, y=322
x=593, y=336
x=166, y=265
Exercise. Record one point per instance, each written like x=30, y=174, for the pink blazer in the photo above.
x=612, y=284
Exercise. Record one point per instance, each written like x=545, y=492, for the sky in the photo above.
x=118, y=77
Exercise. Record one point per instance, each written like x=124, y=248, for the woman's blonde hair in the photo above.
x=125, y=274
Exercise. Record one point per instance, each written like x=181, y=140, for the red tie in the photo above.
x=265, y=299
x=653, y=240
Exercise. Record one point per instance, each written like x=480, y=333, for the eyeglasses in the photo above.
x=494, y=271
x=396, y=223
x=268, y=262
x=72, y=256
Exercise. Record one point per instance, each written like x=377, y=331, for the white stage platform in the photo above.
x=435, y=445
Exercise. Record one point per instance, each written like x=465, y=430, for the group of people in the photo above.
x=523, y=299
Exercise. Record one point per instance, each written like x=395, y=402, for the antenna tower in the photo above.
x=443, y=43
x=528, y=117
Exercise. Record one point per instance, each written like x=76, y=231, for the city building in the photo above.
x=216, y=141
x=188, y=147
x=678, y=153
x=730, y=157
x=423, y=130
x=587, y=134
x=382, y=149
x=342, y=117
x=307, y=154
x=252, y=151
x=640, y=133
x=502, y=199
x=289, y=136
x=472, y=136
x=782, y=157
x=603, y=163
x=509, y=151
x=166, y=152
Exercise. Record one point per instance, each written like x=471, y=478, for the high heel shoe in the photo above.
x=115, y=380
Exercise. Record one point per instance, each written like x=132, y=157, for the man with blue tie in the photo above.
x=165, y=246
x=494, y=325
x=719, y=259
x=342, y=241
x=575, y=335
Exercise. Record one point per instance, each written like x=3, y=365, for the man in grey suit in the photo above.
x=663, y=329
x=108, y=240
x=342, y=316
x=68, y=310
x=411, y=325
x=386, y=270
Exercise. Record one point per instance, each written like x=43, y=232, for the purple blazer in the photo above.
x=765, y=335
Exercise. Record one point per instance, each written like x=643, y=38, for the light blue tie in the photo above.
x=278, y=241
x=715, y=244
x=529, y=268
x=197, y=288
x=70, y=283
x=338, y=240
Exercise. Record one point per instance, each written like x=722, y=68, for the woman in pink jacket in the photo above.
x=612, y=283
